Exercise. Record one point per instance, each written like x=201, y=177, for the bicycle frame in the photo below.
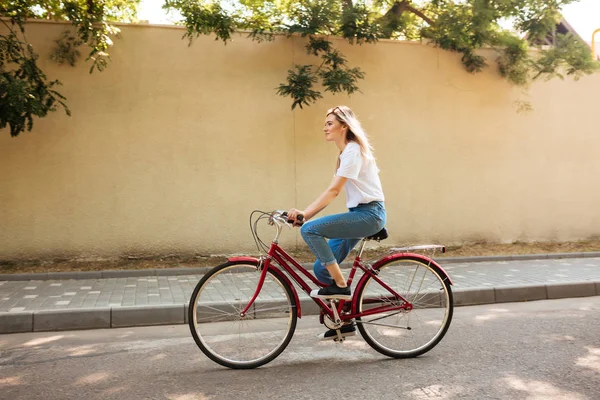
x=284, y=260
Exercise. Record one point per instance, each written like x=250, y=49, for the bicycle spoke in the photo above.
x=382, y=317
x=386, y=325
x=271, y=308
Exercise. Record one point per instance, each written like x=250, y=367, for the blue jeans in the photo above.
x=344, y=231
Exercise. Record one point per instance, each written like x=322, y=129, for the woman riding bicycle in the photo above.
x=402, y=304
x=358, y=174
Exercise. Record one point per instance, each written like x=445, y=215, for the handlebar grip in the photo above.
x=299, y=219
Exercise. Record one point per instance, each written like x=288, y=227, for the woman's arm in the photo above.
x=334, y=189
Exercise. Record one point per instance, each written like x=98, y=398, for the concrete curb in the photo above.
x=309, y=266
x=71, y=319
x=120, y=317
x=517, y=257
x=116, y=273
x=171, y=314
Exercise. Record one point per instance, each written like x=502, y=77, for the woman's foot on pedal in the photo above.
x=345, y=330
x=332, y=291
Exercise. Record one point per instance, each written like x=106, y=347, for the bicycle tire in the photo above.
x=406, y=334
x=241, y=342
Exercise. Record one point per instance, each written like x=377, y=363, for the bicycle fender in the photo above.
x=279, y=275
x=243, y=258
x=419, y=257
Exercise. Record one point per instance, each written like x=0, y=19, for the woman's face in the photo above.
x=334, y=130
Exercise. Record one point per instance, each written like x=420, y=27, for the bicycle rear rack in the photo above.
x=424, y=247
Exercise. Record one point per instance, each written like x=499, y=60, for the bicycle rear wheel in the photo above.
x=226, y=337
x=405, y=333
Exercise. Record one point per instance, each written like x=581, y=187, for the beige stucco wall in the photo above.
x=171, y=147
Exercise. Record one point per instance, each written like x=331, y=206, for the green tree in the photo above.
x=25, y=91
x=462, y=26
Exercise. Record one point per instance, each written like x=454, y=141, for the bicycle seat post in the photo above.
x=363, y=242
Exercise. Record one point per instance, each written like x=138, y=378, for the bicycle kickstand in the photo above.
x=336, y=320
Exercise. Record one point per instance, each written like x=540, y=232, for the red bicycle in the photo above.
x=243, y=313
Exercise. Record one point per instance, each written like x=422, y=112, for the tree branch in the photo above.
x=399, y=7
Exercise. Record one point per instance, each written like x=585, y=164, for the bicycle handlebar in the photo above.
x=299, y=219
x=282, y=217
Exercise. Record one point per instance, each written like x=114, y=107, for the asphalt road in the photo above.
x=538, y=350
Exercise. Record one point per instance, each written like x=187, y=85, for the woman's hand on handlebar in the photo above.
x=295, y=217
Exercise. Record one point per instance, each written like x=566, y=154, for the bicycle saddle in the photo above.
x=379, y=236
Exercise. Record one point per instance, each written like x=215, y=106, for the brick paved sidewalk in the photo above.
x=46, y=305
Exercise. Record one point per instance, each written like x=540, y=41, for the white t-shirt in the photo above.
x=363, y=185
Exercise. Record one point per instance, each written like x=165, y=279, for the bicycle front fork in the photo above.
x=261, y=281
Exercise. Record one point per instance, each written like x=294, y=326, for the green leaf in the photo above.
x=338, y=80
x=299, y=87
x=25, y=92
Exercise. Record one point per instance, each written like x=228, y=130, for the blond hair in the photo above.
x=355, y=133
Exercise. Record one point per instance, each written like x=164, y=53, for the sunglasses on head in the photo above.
x=333, y=110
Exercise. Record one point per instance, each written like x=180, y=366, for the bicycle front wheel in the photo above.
x=405, y=333
x=223, y=334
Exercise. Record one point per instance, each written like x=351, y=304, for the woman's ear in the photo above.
x=346, y=129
